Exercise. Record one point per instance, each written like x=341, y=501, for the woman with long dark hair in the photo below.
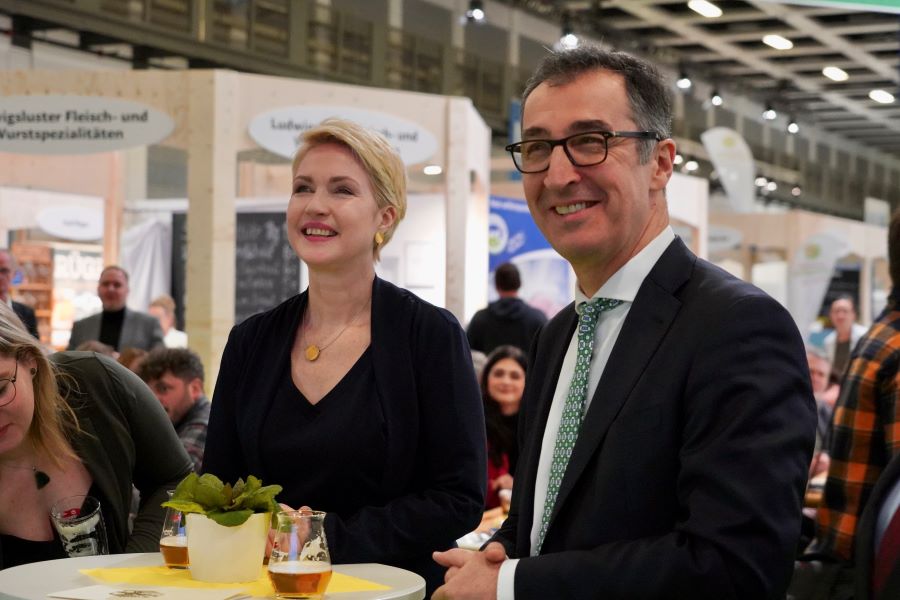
x=502, y=386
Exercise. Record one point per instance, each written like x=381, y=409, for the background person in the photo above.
x=356, y=396
x=866, y=420
x=668, y=421
x=78, y=423
x=847, y=332
x=117, y=325
x=24, y=312
x=508, y=320
x=163, y=308
x=502, y=386
x=176, y=377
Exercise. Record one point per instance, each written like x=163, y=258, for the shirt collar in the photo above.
x=625, y=283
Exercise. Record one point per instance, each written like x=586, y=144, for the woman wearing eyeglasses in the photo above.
x=78, y=424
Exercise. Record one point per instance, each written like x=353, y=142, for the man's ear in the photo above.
x=663, y=159
x=195, y=387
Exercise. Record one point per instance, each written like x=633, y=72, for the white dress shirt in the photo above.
x=624, y=286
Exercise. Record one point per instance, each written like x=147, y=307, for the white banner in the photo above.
x=61, y=124
x=810, y=272
x=279, y=130
x=733, y=161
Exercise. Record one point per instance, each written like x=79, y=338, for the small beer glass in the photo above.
x=173, y=540
x=300, y=565
x=79, y=523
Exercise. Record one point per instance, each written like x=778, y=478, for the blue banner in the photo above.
x=547, y=280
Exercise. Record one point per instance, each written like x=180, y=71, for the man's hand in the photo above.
x=470, y=575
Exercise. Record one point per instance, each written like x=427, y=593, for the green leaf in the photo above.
x=231, y=518
x=184, y=506
x=225, y=504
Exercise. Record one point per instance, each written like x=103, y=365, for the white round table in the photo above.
x=34, y=581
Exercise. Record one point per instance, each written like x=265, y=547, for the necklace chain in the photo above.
x=313, y=351
x=41, y=479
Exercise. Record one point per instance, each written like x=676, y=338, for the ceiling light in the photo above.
x=684, y=82
x=771, y=186
x=475, y=11
x=769, y=114
x=778, y=42
x=796, y=191
x=691, y=165
x=568, y=40
x=881, y=96
x=835, y=74
x=433, y=170
x=793, y=127
x=761, y=181
x=678, y=159
x=716, y=98
x=704, y=8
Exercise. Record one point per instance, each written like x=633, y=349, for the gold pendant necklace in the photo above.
x=313, y=351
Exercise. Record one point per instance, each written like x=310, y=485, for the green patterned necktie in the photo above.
x=574, y=407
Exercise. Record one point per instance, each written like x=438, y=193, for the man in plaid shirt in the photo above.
x=176, y=377
x=865, y=430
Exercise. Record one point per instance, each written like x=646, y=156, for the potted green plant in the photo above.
x=227, y=525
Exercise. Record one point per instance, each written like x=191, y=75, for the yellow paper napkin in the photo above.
x=262, y=587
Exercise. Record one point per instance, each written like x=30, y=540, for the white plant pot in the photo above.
x=226, y=554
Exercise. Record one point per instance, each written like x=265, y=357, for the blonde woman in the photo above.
x=78, y=423
x=356, y=396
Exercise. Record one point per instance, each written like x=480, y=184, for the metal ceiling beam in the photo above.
x=796, y=19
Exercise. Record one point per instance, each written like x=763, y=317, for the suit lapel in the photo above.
x=649, y=318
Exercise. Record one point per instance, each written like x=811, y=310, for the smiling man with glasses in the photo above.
x=668, y=421
x=23, y=311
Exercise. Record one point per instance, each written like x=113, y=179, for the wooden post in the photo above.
x=212, y=165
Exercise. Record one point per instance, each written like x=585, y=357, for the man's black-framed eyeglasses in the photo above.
x=584, y=149
x=7, y=395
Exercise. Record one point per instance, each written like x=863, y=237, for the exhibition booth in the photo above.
x=805, y=260
x=183, y=177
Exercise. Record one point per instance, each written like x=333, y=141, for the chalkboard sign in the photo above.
x=266, y=269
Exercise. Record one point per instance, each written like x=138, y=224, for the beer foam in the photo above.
x=300, y=567
x=174, y=540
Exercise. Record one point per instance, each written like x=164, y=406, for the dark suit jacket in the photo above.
x=26, y=314
x=139, y=330
x=687, y=478
x=865, y=538
x=435, y=474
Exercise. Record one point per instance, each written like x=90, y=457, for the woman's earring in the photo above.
x=379, y=238
x=33, y=371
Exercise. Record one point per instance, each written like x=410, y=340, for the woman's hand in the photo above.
x=504, y=482
x=270, y=541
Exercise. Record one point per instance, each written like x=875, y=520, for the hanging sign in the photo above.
x=733, y=160
x=79, y=224
x=62, y=124
x=279, y=130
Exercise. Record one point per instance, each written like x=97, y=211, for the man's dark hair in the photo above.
x=894, y=248
x=182, y=363
x=506, y=278
x=648, y=93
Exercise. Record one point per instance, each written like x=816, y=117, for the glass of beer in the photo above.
x=173, y=540
x=300, y=565
x=79, y=523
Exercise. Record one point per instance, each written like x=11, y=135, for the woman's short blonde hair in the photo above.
x=379, y=159
x=54, y=420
